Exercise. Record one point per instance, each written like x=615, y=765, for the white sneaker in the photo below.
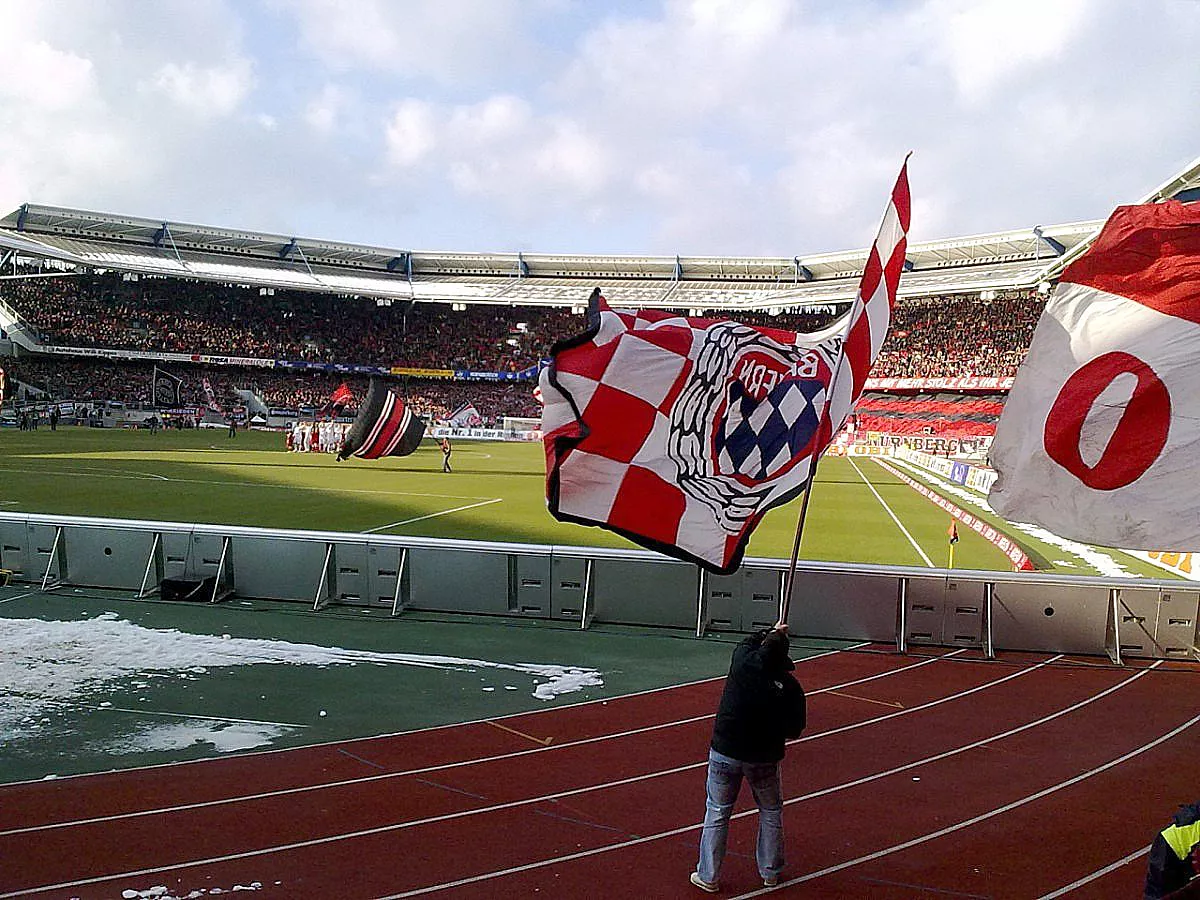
x=710, y=886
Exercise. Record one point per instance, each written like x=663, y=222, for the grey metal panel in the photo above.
x=645, y=593
x=566, y=587
x=177, y=550
x=963, y=619
x=1137, y=616
x=351, y=575
x=532, y=585
x=14, y=549
x=724, y=602
x=844, y=605
x=111, y=559
x=39, y=542
x=1054, y=618
x=760, y=597
x=926, y=618
x=383, y=567
x=460, y=581
x=1177, y=615
x=265, y=567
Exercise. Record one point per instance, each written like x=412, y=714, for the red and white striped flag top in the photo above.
x=681, y=433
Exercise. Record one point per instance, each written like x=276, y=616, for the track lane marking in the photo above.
x=439, y=767
x=399, y=826
x=1099, y=873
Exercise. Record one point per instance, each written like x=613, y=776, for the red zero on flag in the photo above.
x=1101, y=434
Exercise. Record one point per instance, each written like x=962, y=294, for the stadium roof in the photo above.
x=1001, y=261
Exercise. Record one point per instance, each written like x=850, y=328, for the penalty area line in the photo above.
x=444, y=512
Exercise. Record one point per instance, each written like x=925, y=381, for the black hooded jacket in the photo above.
x=753, y=717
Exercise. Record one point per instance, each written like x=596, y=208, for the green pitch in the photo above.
x=859, y=512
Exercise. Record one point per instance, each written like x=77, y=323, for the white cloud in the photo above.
x=759, y=127
x=205, y=90
x=324, y=110
x=986, y=42
x=411, y=133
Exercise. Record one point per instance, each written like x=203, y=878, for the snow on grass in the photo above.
x=47, y=666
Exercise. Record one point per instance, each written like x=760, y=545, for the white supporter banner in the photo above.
x=1100, y=437
x=1121, y=485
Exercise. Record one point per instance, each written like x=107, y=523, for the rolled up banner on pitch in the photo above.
x=385, y=426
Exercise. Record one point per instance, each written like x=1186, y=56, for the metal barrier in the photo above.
x=890, y=604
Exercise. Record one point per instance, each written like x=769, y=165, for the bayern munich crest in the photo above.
x=744, y=428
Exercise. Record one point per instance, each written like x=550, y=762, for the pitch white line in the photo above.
x=175, y=715
x=19, y=597
x=1099, y=873
x=444, y=512
x=888, y=510
x=441, y=767
x=554, y=797
x=75, y=473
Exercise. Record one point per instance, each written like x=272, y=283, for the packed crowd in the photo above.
x=931, y=337
x=159, y=314
x=949, y=337
x=88, y=380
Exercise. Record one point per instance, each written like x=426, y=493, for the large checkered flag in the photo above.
x=681, y=433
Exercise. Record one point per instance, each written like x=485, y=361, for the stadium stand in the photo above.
x=89, y=302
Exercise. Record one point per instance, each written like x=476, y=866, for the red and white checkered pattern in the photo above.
x=611, y=395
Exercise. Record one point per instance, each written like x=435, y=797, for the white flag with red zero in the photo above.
x=681, y=433
x=1100, y=438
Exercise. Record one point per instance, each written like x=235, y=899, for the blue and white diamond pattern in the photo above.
x=758, y=438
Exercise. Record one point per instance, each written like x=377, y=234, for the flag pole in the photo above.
x=856, y=309
x=785, y=603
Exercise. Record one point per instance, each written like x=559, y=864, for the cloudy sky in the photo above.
x=698, y=127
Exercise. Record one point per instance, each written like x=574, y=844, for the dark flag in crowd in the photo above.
x=681, y=433
x=385, y=426
x=1100, y=435
x=338, y=399
x=164, y=388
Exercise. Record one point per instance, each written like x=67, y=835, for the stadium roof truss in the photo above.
x=1010, y=260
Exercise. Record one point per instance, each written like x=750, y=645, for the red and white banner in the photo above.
x=1100, y=437
x=681, y=433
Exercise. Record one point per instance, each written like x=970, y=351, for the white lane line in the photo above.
x=888, y=510
x=675, y=832
x=1099, y=873
x=441, y=767
x=400, y=826
x=444, y=512
x=177, y=715
x=983, y=817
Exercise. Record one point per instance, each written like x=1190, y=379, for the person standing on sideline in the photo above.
x=761, y=707
x=232, y=426
x=1175, y=855
x=446, y=451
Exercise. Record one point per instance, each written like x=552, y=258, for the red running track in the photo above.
x=943, y=775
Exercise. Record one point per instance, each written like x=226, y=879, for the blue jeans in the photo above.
x=724, y=781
